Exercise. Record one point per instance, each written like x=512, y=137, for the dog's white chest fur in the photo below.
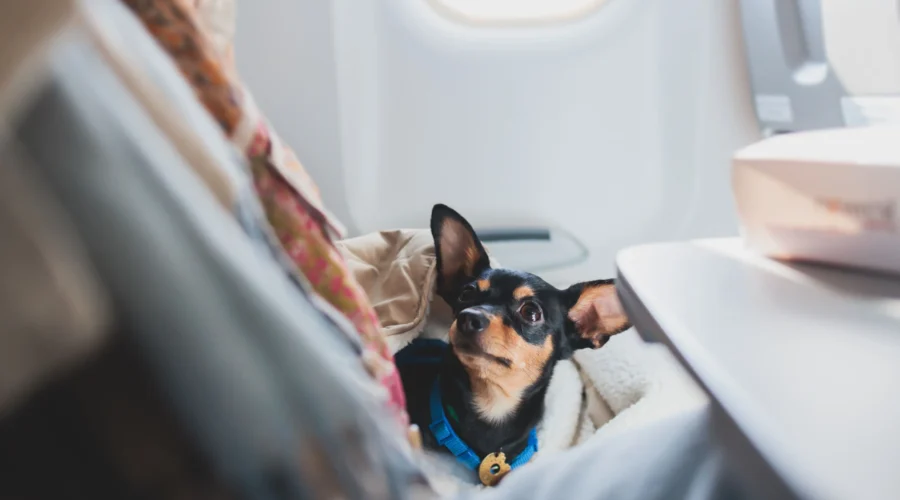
x=495, y=405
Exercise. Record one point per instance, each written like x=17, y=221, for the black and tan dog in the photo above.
x=481, y=397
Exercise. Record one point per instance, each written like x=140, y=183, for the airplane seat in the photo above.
x=817, y=64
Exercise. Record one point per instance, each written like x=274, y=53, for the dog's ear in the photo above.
x=595, y=312
x=460, y=256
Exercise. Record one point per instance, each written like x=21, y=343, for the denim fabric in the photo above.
x=280, y=409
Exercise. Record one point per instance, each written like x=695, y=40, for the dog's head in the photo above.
x=511, y=327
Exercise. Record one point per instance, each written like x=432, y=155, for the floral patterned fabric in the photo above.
x=290, y=199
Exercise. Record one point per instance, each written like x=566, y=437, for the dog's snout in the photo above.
x=471, y=322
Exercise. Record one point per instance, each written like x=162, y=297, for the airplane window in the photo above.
x=516, y=11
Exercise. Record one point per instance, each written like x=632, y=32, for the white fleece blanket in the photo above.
x=600, y=393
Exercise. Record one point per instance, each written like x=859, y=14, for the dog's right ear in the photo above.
x=460, y=256
x=595, y=313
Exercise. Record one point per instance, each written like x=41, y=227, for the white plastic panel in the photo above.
x=616, y=128
x=595, y=126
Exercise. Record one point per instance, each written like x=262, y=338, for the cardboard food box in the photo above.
x=828, y=196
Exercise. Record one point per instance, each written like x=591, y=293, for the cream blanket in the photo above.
x=597, y=393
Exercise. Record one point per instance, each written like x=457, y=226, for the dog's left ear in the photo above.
x=595, y=311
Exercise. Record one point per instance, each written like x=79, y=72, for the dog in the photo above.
x=481, y=396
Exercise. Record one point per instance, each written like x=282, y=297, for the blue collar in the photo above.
x=447, y=438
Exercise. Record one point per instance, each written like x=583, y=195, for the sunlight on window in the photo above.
x=517, y=11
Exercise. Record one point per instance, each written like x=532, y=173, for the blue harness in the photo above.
x=440, y=427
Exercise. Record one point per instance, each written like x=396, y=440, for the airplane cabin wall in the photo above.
x=617, y=127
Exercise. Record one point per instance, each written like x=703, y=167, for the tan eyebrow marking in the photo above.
x=523, y=292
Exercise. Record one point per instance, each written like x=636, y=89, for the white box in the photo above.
x=828, y=196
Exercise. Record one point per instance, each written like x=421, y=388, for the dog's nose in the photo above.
x=471, y=322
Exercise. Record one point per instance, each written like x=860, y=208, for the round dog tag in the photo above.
x=493, y=468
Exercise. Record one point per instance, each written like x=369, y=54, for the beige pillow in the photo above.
x=398, y=271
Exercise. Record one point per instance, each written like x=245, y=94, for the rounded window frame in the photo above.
x=513, y=13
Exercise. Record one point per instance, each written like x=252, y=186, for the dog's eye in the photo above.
x=530, y=312
x=467, y=294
